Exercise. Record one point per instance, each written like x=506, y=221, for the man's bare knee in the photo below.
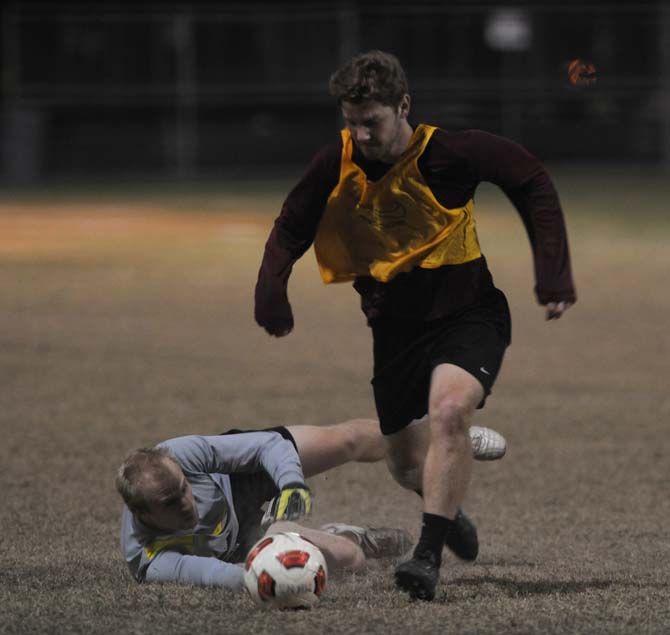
x=449, y=418
x=362, y=441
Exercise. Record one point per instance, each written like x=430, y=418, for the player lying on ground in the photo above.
x=194, y=504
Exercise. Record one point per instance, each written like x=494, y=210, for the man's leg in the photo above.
x=454, y=396
x=406, y=450
x=322, y=448
x=406, y=454
x=376, y=542
x=341, y=553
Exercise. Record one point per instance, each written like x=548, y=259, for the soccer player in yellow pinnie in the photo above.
x=389, y=205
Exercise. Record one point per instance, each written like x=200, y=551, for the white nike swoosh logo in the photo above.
x=486, y=372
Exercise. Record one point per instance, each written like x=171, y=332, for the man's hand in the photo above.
x=556, y=309
x=276, y=318
x=293, y=502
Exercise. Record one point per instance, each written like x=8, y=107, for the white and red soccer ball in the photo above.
x=285, y=571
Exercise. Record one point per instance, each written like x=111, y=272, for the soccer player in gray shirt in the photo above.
x=193, y=505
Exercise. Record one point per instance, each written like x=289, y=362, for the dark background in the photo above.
x=185, y=90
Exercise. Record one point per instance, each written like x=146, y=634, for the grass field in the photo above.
x=126, y=318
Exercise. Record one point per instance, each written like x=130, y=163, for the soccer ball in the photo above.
x=285, y=571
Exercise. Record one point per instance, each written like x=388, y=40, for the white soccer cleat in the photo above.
x=487, y=444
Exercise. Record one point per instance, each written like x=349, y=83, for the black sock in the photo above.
x=434, y=529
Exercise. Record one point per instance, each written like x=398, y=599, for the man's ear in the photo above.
x=404, y=106
x=141, y=515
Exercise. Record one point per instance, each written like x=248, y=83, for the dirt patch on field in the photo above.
x=33, y=230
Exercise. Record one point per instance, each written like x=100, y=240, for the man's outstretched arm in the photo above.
x=527, y=184
x=539, y=207
x=244, y=452
x=291, y=237
x=171, y=566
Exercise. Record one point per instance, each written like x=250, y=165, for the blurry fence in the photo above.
x=192, y=89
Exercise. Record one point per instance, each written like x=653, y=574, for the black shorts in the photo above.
x=251, y=490
x=407, y=351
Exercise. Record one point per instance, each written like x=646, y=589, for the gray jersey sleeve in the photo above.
x=171, y=566
x=245, y=452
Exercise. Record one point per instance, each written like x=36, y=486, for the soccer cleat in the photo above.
x=487, y=444
x=376, y=542
x=462, y=537
x=418, y=576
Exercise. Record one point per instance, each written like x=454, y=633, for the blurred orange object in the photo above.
x=581, y=73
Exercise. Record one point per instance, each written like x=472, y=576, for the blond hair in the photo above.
x=137, y=465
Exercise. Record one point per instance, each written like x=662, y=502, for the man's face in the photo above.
x=170, y=502
x=376, y=128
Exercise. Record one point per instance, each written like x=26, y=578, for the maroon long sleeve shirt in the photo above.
x=453, y=164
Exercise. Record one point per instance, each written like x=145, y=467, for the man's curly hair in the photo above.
x=372, y=76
